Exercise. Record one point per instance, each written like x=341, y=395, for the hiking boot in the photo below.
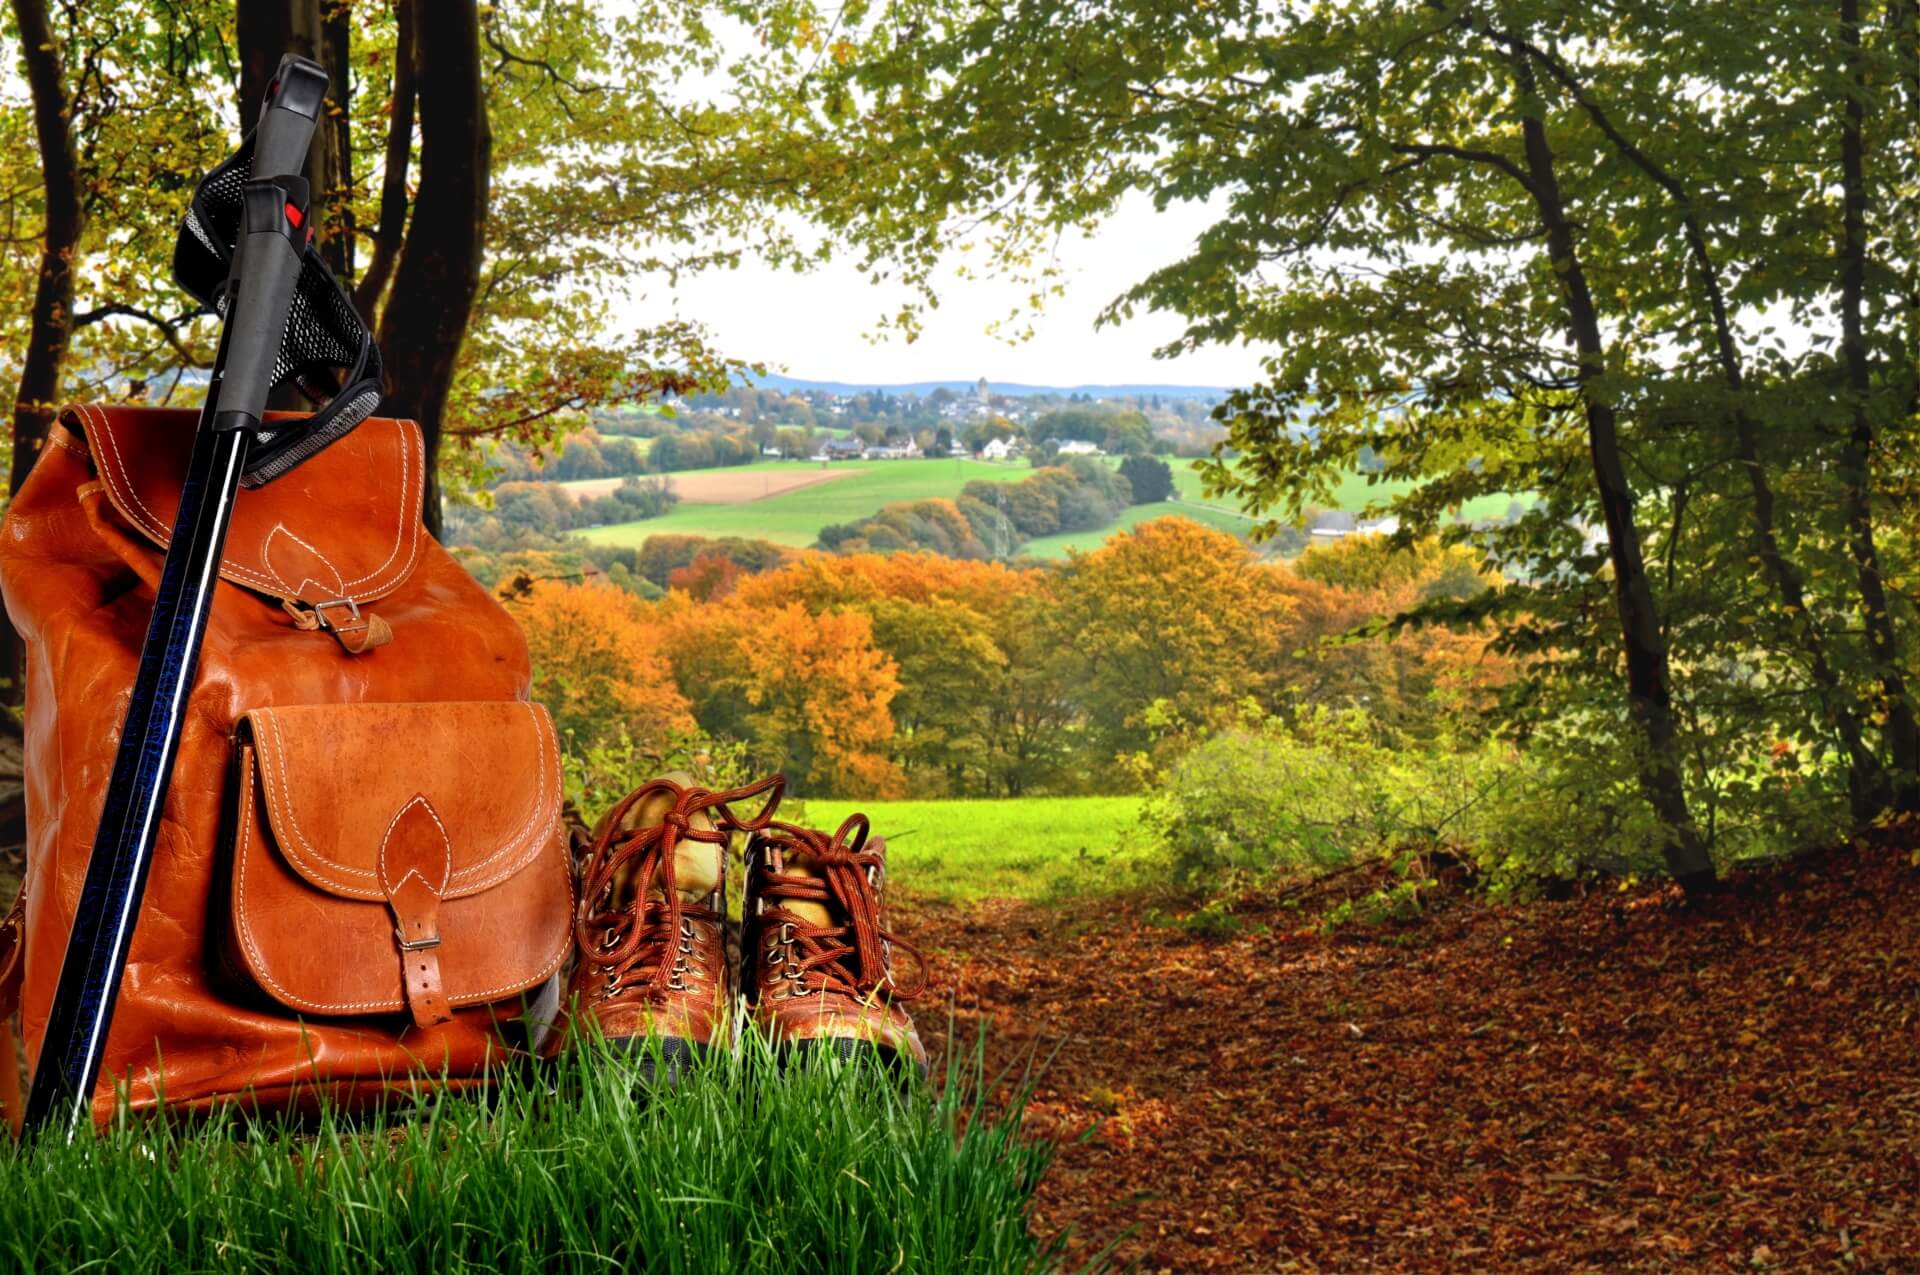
x=816, y=963
x=650, y=961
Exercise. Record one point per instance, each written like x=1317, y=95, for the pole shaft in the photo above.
x=109, y=904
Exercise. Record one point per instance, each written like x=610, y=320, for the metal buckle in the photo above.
x=355, y=621
x=414, y=945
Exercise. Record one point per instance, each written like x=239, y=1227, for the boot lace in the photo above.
x=641, y=947
x=851, y=958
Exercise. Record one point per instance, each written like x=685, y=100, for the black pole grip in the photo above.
x=266, y=268
x=288, y=117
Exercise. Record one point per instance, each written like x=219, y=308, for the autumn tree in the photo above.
x=1659, y=278
x=493, y=180
x=597, y=665
x=1173, y=613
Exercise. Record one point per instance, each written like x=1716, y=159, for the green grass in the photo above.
x=796, y=517
x=1022, y=847
x=1354, y=493
x=739, y=1167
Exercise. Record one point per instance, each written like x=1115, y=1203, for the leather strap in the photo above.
x=12, y=944
x=415, y=861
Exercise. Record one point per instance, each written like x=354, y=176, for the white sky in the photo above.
x=821, y=326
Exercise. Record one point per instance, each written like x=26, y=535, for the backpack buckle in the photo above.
x=313, y=615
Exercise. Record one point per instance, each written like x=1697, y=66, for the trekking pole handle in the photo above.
x=288, y=115
x=266, y=268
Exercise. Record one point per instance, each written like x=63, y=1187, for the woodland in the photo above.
x=1531, y=893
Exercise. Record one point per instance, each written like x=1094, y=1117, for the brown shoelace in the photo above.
x=630, y=944
x=845, y=885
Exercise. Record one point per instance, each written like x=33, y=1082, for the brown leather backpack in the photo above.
x=362, y=875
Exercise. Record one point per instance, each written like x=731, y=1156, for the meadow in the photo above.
x=1011, y=848
x=775, y=508
x=795, y=517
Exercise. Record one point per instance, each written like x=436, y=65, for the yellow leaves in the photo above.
x=596, y=665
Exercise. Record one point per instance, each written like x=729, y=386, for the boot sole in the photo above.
x=662, y=1059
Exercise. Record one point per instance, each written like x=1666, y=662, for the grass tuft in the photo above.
x=744, y=1165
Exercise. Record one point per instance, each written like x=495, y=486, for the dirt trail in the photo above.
x=1606, y=1084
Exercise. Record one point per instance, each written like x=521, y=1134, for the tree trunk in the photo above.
x=51, y=324
x=438, y=272
x=1649, y=685
x=391, y=229
x=266, y=30
x=1856, y=459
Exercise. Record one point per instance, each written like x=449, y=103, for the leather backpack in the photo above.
x=362, y=877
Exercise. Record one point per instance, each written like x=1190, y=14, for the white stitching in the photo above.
x=409, y=439
x=120, y=489
x=266, y=556
x=257, y=961
x=446, y=850
x=511, y=849
x=464, y=999
x=293, y=820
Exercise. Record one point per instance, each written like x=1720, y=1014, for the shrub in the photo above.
x=1268, y=798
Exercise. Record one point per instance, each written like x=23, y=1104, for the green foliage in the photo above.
x=517, y=512
x=744, y=1165
x=671, y=452
x=604, y=767
x=1149, y=479
x=1268, y=798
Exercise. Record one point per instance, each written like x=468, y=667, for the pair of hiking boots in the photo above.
x=651, y=967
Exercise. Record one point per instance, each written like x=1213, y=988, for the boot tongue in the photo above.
x=696, y=864
x=802, y=864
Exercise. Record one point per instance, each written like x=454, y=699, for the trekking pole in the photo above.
x=259, y=291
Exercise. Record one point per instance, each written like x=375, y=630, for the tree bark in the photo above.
x=387, y=235
x=1649, y=684
x=51, y=326
x=1856, y=458
x=438, y=273
x=267, y=29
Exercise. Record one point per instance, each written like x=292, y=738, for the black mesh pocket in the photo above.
x=325, y=351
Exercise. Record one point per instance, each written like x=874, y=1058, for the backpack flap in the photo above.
x=326, y=542
x=392, y=857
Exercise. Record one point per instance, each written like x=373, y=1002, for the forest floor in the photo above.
x=1616, y=1082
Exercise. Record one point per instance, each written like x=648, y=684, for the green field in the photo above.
x=796, y=517
x=1023, y=847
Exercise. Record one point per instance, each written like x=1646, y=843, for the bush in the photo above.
x=1268, y=798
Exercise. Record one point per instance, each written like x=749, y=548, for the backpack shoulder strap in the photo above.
x=12, y=932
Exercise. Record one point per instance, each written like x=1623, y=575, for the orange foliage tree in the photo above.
x=809, y=692
x=597, y=665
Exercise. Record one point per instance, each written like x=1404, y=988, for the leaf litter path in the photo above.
x=1612, y=1083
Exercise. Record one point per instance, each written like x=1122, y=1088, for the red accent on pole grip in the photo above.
x=294, y=216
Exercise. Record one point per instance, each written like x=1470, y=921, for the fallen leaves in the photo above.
x=1616, y=1082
